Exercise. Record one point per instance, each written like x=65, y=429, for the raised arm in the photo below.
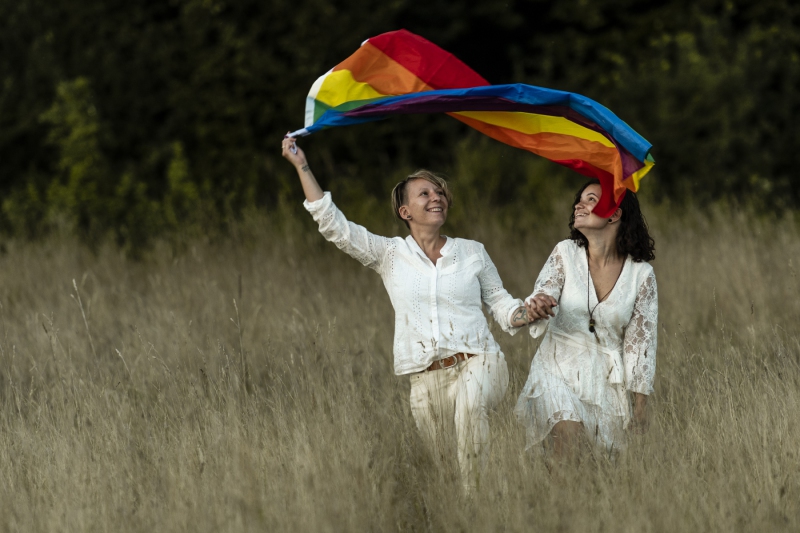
x=295, y=155
x=369, y=249
x=640, y=348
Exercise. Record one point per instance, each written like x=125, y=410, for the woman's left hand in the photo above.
x=540, y=306
x=293, y=153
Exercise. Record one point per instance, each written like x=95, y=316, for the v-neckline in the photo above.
x=591, y=281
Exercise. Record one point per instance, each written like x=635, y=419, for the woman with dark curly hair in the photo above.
x=599, y=348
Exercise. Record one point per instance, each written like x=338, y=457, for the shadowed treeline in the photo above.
x=135, y=119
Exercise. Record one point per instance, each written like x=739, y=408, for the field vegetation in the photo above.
x=180, y=350
x=243, y=382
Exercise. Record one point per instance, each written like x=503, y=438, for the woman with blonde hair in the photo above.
x=437, y=286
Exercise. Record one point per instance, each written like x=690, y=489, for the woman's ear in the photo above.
x=616, y=216
x=405, y=214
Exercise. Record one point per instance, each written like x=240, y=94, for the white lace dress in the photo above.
x=582, y=376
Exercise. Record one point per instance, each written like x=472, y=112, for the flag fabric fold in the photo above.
x=401, y=73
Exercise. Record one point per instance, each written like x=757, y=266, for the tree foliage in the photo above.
x=134, y=118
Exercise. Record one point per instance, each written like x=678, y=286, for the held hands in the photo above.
x=540, y=306
x=296, y=157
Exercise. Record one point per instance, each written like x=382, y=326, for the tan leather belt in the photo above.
x=450, y=361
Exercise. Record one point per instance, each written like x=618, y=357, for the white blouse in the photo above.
x=580, y=375
x=438, y=307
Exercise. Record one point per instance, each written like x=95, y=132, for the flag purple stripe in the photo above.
x=453, y=104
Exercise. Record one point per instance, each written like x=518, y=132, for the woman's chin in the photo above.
x=436, y=220
x=584, y=226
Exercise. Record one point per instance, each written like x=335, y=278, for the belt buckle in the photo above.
x=442, y=363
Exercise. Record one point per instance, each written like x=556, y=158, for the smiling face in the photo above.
x=626, y=227
x=426, y=204
x=585, y=219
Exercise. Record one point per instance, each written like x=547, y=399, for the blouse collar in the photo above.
x=446, y=249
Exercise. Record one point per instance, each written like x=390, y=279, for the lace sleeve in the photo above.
x=640, y=339
x=369, y=249
x=551, y=282
x=501, y=304
x=551, y=278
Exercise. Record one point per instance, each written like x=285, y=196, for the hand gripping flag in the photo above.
x=400, y=73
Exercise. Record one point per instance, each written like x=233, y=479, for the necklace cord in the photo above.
x=599, y=300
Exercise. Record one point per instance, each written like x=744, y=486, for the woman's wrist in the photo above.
x=520, y=317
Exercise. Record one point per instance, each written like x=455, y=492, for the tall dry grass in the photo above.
x=245, y=384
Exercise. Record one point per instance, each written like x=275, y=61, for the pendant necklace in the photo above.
x=599, y=300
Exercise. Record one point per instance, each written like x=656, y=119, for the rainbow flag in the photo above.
x=399, y=73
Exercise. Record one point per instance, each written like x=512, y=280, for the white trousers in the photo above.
x=450, y=407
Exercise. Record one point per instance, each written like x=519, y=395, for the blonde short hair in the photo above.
x=400, y=192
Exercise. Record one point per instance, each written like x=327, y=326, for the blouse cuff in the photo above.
x=512, y=329
x=539, y=326
x=320, y=205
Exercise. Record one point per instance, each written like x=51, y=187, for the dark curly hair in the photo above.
x=633, y=238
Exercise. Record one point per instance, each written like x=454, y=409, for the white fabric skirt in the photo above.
x=548, y=398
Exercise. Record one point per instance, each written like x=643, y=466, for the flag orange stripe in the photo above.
x=384, y=74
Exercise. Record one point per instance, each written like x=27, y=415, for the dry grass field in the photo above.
x=246, y=384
